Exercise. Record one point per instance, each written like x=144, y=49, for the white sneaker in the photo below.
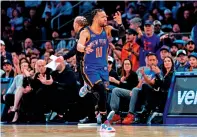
x=106, y=128
x=83, y=91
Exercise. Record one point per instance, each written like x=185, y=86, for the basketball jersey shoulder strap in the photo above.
x=88, y=31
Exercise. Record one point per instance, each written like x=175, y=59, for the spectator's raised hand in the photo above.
x=142, y=71
x=42, y=79
x=15, y=61
x=155, y=69
x=27, y=73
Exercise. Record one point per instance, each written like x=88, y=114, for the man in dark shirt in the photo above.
x=7, y=67
x=65, y=87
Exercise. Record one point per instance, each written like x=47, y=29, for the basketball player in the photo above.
x=93, y=41
x=80, y=22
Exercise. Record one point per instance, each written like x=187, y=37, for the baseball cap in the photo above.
x=131, y=31
x=110, y=59
x=182, y=42
x=179, y=52
x=193, y=54
x=150, y=53
x=2, y=42
x=148, y=22
x=6, y=61
x=164, y=47
x=190, y=41
x=156, y=22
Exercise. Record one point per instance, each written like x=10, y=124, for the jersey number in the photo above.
x=99, y=52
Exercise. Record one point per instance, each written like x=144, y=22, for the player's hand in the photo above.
x=111, y=45
x=118, y=18
x=88, y=49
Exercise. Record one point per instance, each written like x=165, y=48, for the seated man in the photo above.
x=145, y=75
x=65, y=87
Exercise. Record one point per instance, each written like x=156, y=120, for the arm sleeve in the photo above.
x=120, y=32
x=71, y=53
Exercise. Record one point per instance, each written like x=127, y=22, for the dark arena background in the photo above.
x=148, y=49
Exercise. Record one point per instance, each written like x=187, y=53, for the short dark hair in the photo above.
x=93, y=14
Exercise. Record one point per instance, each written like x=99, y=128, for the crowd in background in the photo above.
x=160, y=39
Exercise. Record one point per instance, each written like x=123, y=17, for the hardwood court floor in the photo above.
x=75, y=131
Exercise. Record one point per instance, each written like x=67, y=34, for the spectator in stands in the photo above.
x=146, y=78
x=168, y=21
x=57, y=44
x=182, y=59
x=176, y=30
x=131, y=49
x=72, y=42
x=164, y=52
x=186, y=22
x=16, y=24
x=62, y=79
x=33, y=63
x=7, y=67
x=129, y=14
x=194, y=34
x=47, y=57
x=148, y=41
x=4, y=53
x=192, y=61
x=157, y=28
x=46, y=26
x=42, y=90
x=135, y=23
x=4, y=19
x=15, y=92
x=86, y=6
x=47, y=48
x=158, y=96
x=112, y=72
x=173, y=50
x=190, y=47
x=30, y=48
x=128, y=81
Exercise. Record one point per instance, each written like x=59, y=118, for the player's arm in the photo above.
x=82, y=41
x=71, y=53
x=120, y=32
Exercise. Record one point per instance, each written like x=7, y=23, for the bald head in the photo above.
x=40, y=66
x=28, y=43
x=79, y=22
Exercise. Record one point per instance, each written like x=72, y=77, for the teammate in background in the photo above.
x=94, y=43
x=79, y=24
